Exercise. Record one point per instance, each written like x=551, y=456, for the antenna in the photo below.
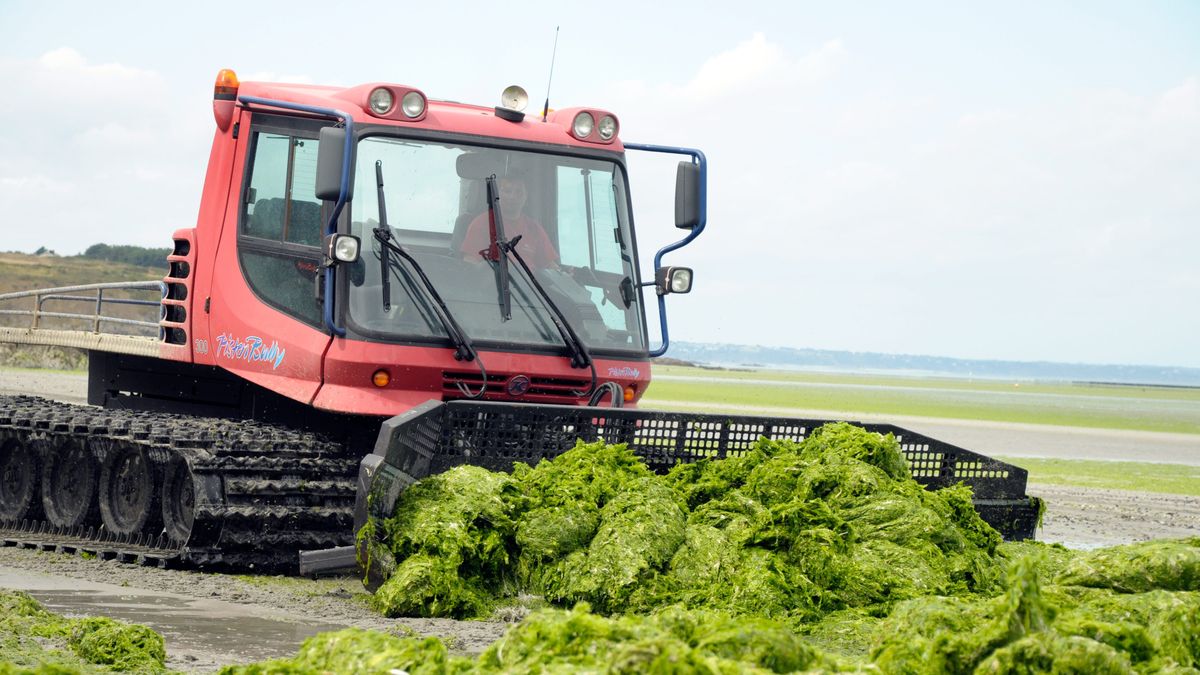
x=553, y=54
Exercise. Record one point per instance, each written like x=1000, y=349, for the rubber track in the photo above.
x=263, y=492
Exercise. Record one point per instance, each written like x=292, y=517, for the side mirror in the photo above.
x=687, y=195
x=673, y=280
x=330, y=153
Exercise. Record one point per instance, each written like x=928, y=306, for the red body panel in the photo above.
x=245, y=335
x=419, y=374
x=231, y=327
x=219, y=183
x=176, y=322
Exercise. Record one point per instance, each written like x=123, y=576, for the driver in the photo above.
x=535, y=245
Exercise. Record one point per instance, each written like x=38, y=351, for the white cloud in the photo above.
x=1180, y=103
x=114, y=135
x=740, y=76
x=66, y=85
x=112, y=154
x=268, y=76
x=72, y=65
x=757, y=62
x=20, y=187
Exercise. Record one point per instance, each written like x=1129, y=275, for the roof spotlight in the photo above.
x=514, y=98
x=512, y=104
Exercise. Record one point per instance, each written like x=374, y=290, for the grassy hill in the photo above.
x=24, y=272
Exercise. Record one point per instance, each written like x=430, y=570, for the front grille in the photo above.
x=541, y=389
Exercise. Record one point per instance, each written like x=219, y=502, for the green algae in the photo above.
x=1051, y=653
x=1172, y=565
x=1026, y=625
x=450, y=532
x=670, y=641
x=1032, y=628
x=424, y=585
x=354, y=650
x=786, y=530
x=821, y=555
x=555, y=640
x=121, y=646
x=1170, y=621
x=640, y=530
x=35, y=640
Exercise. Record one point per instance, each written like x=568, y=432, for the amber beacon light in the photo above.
x=224, y=98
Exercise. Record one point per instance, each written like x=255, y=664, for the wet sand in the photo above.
x=211, y=620
x=200, y=633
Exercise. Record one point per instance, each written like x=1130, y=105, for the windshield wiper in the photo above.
x=495, y=251
x=580, y=358
x=384, y=234
x=463, y=349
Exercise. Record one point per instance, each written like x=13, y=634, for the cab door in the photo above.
x=265, y=316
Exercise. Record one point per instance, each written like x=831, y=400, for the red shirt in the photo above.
x=535, y=246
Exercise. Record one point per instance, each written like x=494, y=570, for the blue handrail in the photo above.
x=343, y=191
x=698, y=158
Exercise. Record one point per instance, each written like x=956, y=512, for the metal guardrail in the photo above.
x=97, y=316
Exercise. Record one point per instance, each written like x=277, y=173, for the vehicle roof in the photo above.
x=447, y=116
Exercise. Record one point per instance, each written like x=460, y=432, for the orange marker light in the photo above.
x=630, y=392
x=381, y=378
x=227, y=85
x=224, y=95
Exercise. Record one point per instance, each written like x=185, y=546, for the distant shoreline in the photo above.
x=752, y=357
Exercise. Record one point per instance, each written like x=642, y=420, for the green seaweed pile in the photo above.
x=35, y=640
x=358, y=651
x=823, y=555
x=788, y=530
x=1038, y=622
x=1080, y=622
x=554, y=640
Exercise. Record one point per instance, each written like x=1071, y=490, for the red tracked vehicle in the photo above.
x=379, y=286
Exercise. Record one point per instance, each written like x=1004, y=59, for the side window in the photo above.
x=604, y=222
x=281, y=223
x=587, y=224
x=574, y=248
x=587, y=236
x=281, y=203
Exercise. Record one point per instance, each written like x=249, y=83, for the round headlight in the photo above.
x=583, y=124
x=381, y=100
x=607, y=127
x=413, y=104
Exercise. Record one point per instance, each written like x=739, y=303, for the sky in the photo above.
x=1014, y=180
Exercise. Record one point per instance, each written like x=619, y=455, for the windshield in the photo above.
x=570, y=215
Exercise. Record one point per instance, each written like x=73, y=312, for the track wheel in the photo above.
x=128, y=494
x=18, y=482
x=178, y=501
x=69, y=486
